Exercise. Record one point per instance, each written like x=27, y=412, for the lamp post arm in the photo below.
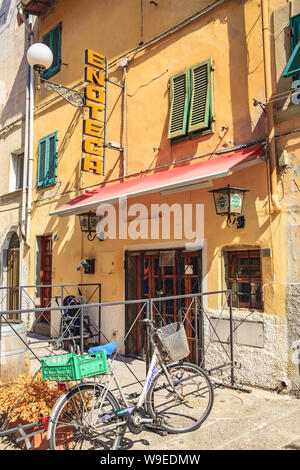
x=75, y=98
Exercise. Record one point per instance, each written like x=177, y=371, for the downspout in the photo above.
x=269, y=105
x=124, y=137
x=30, y=150
x=26, y=187
x=26, y=141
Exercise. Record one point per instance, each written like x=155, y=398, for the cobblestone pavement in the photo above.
x=260, y=420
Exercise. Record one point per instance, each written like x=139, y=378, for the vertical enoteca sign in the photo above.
x=93, y=126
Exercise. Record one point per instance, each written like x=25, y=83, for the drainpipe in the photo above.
x=269, y=106
x=30, y=151
x=26, y=141
x=124, y=137
x=26, y=187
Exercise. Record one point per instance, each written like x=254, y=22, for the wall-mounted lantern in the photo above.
x=229, y=201
x=88, y=224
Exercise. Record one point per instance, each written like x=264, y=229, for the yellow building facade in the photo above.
x=148, y=45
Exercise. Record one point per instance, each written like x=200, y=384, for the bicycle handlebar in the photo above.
x=146, y=322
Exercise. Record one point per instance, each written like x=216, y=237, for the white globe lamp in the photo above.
x=40, y=57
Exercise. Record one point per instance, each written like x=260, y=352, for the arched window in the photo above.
x=14, y=241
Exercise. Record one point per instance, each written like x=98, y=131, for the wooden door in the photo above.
x=46, y=274
x=166, y=274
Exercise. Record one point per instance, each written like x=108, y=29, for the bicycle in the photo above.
x=177, y=397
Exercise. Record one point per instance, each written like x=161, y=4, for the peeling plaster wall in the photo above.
x=286, y=115
x=293, y=289
x=290, y=178
x=259, y=366
x=293, y=331
x=13, y=78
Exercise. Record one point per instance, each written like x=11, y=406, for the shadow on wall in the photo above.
x=4, y=10
x=15, y=102
x=249, y=123
x=239, y=79
x=280, y=23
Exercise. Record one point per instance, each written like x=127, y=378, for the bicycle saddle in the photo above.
x=108, y=348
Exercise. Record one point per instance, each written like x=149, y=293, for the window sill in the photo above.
x=189, y=137
x=246, y=311
x=39, y=188
x=16, y=192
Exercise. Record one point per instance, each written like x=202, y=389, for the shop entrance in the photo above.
x=163, y=273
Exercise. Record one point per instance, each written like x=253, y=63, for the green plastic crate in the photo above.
x=73, y=367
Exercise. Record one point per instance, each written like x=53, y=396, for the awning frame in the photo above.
x=188, y=183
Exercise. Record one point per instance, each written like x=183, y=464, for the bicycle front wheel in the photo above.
x=87, y=420
x=184, y=406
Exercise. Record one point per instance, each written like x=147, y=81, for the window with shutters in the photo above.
x=53, y=40
x=47, y=161
x=293, y=66
x=191, y=101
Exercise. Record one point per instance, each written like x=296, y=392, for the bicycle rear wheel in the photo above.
x=185, y=410
x=86, y=420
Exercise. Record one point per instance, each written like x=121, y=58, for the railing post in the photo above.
x=81, y=332
x=231, y=338
x=196, y=331
x=148, y=343
x=201, y=332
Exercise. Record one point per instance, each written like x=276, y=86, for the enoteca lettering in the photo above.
x=93, y=126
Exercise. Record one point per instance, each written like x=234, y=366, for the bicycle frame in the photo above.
x=156, y=359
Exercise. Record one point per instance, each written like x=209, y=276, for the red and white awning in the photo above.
x=183, y=178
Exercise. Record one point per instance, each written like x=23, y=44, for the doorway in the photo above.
x=13, y=272
x=164, y=273
x=45, y=243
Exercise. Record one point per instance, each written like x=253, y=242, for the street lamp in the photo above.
x=40, y=57
x=229, y=201
x=88, y=223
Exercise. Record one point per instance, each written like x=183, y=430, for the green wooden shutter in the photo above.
x=292, y=68
x=47, y=40
x=56, y=48
x=47, y=161
x=179, y=104
x=293, y=65
x=53, y=40
x=52, y=159
x=295, y=31
x=199, y=118
x=41, y=172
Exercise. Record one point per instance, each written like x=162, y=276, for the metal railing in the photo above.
x=200, y=323
x=29, y=303
x=209, y=350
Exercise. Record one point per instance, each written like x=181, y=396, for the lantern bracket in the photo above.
x=75, y=98
x=88, y=224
